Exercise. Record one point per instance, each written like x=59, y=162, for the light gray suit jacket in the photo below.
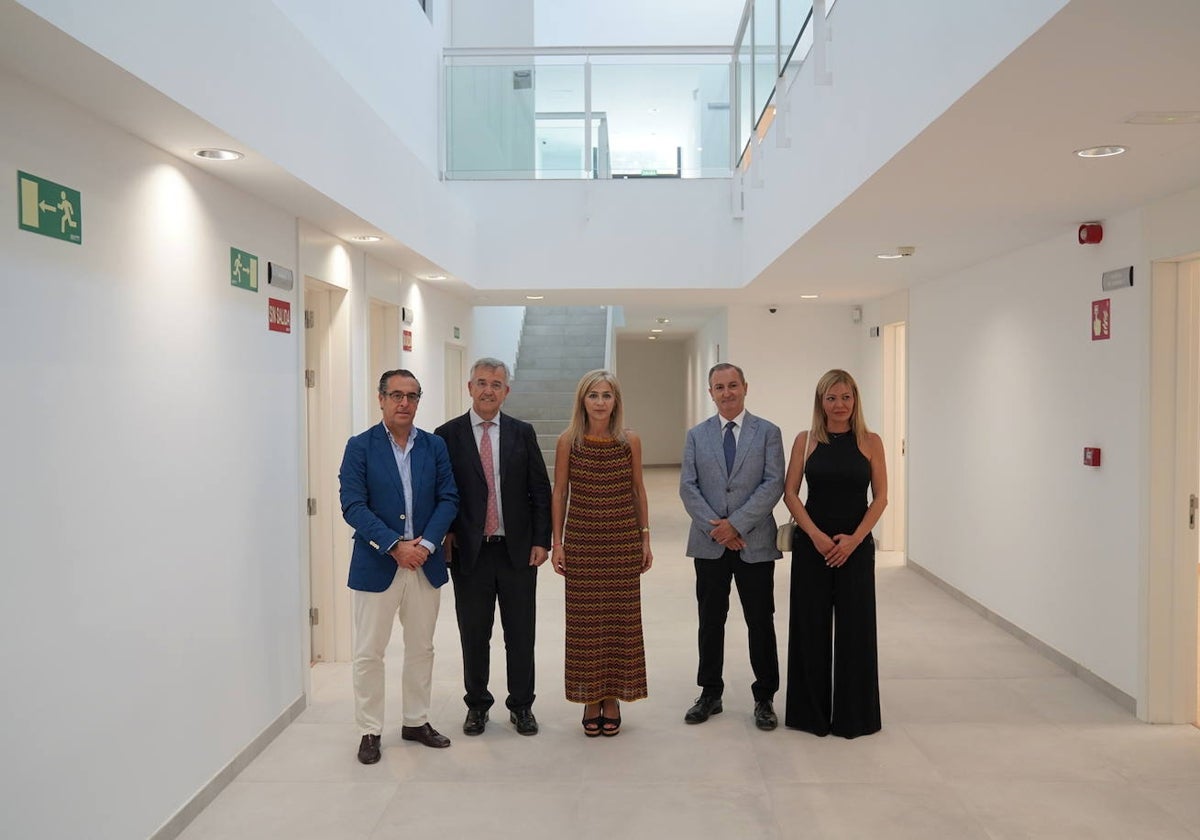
x=746, y=496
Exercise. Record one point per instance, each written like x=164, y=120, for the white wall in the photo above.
x=1005, y=390
x=486, y=23
x=636, y=23
x=603, y=234
x=896, y=67
x=496, y=332
x=653, y=378
x=152, y=600
x=709, y=345
x=286, y=102
x=390, y=53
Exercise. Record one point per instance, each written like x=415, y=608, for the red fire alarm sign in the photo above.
x=1091, y=456
x=1101, y=319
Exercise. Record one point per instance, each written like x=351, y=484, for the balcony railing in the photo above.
x=773, y=37
x=588, y=113
x=619, y=112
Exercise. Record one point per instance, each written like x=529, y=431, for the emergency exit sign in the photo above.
x=243, y=269
x=48, y=208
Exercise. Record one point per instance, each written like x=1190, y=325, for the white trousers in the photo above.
x=415, y=600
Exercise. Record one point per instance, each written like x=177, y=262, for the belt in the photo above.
x=494, y=538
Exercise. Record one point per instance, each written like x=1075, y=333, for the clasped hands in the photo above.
x=409, y=554
x=726, y=534
x=836, y=549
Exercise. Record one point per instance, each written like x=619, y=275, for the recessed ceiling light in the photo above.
x=218, y=154
x=888, y=256
x=1100, y=151
x=432, y=276
x=1164, y=118
x=809, y=297
x=535, y=297
x=901, y=251
x=367, y=237
x=663, y=320
x=655, y=330
x=652, y=337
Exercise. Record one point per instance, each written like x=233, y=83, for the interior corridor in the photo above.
x=982, y=738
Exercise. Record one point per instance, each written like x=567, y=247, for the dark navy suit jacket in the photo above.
x=373, y=504
x=524, y=490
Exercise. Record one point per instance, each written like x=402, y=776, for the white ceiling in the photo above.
x=993, y=174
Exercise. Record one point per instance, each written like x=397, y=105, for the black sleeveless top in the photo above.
x=838, y=477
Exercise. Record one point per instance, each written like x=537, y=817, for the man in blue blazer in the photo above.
x=730, y=482
x=497, y=542
x=398, y=493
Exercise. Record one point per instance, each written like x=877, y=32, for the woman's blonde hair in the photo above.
x=579, y=419
x=857, y=424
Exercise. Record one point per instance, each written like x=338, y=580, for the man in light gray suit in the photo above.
x=730, y=482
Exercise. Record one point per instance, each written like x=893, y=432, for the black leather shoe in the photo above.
x=476, y=722
x=425, y=734
x=764, y=715
x=524, y=720
x=706, y=706
x=368, y=749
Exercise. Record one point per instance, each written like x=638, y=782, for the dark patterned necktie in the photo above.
x=730, y=446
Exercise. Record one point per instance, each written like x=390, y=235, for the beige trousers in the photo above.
x=413, y=599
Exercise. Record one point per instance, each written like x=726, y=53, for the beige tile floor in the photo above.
x=982, y=738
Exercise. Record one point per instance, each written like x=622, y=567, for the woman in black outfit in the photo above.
x=832, y=622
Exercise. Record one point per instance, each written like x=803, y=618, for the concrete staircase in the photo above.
x=558, y=345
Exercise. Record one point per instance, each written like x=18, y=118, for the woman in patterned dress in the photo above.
x=601, y=547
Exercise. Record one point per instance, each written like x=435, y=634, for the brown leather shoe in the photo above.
x=368, y=749
x=425, y=734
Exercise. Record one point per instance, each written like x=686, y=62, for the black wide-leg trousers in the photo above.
x=833, y=656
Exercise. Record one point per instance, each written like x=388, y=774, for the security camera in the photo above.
x=772, y=309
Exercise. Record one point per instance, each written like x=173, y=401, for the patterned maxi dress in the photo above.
x=605, y=652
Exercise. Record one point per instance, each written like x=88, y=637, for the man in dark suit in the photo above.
x=730, y=482
x=496, y=543
x=398, y=493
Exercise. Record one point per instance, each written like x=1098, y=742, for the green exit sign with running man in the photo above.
x=48, y=208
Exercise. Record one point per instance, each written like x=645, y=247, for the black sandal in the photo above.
x=592, y=725
x=610, y=726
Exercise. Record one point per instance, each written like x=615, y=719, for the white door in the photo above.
x=1171, y=625
x=1188, y=482
x=455, y=372
x=384, y=343
x=326, y=361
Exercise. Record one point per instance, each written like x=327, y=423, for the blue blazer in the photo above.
x=746, y=497
x=373, y=504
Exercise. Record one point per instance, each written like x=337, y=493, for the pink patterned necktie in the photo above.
x=491, y=521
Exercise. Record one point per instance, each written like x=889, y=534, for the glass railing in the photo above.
x=604, y=113
x=773, y=36
x=600, y=114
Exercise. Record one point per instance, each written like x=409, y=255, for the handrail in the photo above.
x=485, y=52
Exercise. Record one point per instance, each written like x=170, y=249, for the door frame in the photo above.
x=327, y=344
x=894, y=525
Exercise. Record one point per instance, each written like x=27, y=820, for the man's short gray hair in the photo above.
x=491, y=364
